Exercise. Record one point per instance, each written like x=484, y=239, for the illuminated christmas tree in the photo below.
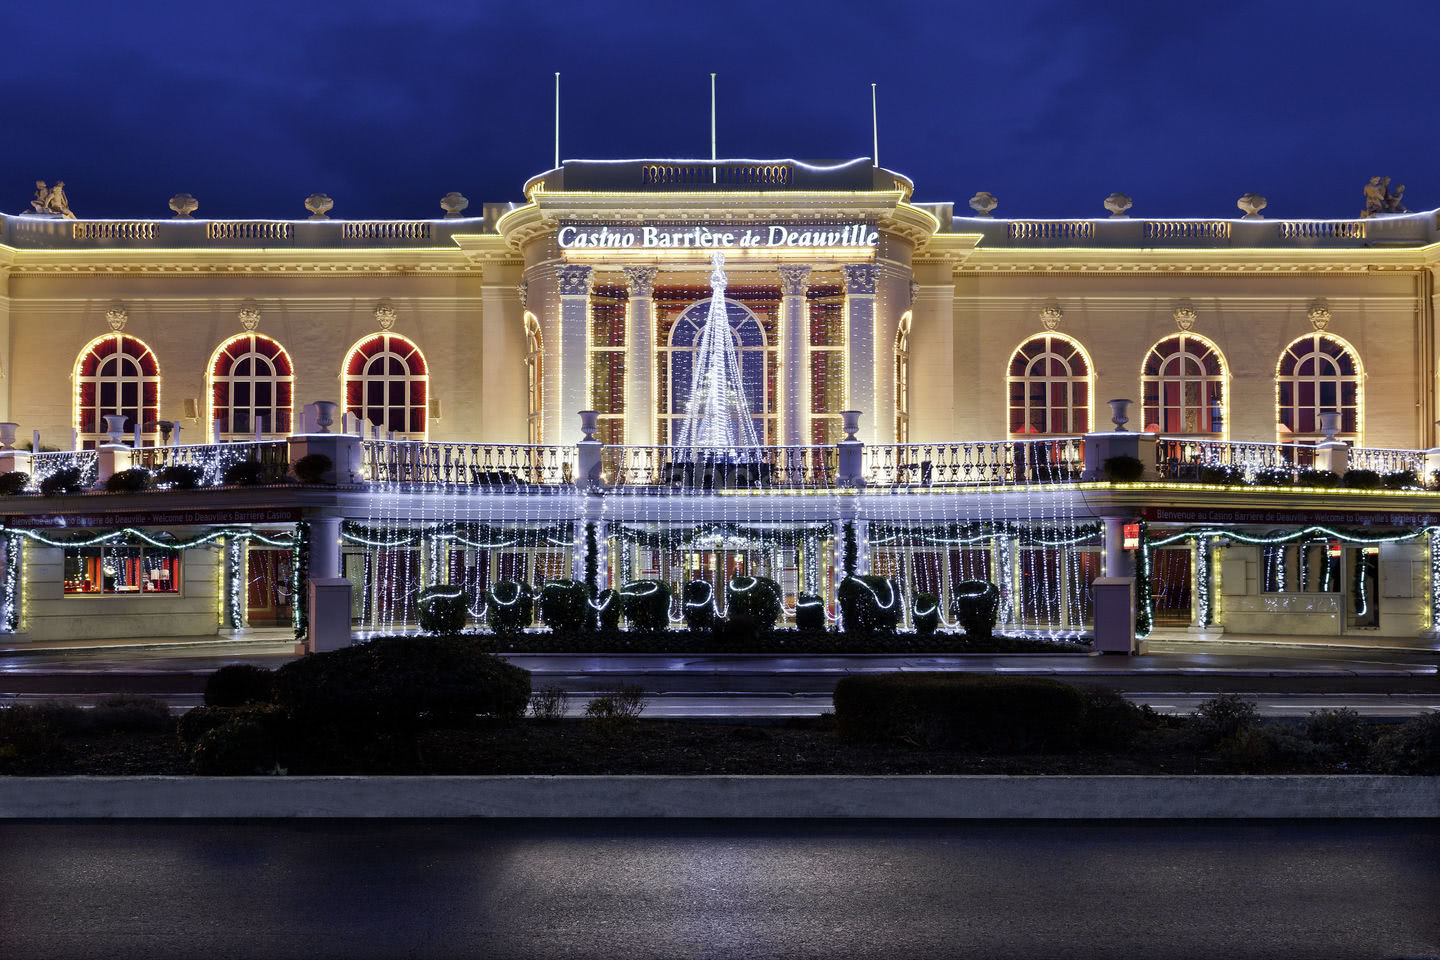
x=717, y=424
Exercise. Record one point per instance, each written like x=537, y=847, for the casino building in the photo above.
x=981, y=354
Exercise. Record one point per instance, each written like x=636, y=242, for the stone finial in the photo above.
x=183, y=204
x=983, y=203
x=1252, y=204
x=385, y=314
x=454, y=204
x=1117, y=204
x=249, y=315
x=1184, y=316
x=117, y=315
x=1319, y=315
x=319, y=205
x=1051, y=315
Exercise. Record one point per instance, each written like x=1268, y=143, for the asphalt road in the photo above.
x=1319, y=890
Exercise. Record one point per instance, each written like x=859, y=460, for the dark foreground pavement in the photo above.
x=499, y=889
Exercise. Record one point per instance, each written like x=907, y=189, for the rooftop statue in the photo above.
x=51, y=201
x=1379, y=200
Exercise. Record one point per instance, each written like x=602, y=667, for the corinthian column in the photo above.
x=574, y=283
x=794, y=379
x=640, y=360
x=860, y=282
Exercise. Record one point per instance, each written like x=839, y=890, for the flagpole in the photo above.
x=874, y=129
x=714, y=176
x=557, y=120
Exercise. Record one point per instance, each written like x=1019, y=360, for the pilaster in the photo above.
x=794, y=355
x=640, y=347
x=574, y=283
x=860, y=285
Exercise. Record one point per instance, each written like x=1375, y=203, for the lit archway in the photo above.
x=1184, y=386
x=1319, y=373
x=116, y=374
x=250, y=381
x=1050, y=387
x=387, y=384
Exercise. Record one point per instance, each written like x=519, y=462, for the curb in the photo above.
x=724, y=797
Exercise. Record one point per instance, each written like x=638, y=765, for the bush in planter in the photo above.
x=608, y=608
x=13, y=483
x=976, y=605
x=1274, y=477
x=810, y=613
x=129, y=481
x=870, y=604
x=237, y=748
x=442, y=609
x=1219, y=474
x=246, y=473
x=181, y=476
x=564, y=606
x=511, y=606
x=646, y=604
x=752, y=604
x=699, y=605
x=237, y=684
x=128, y=713
x=1400, y=480
x=1320, y=478
x=1123, y=469
x=1360, y=479
x=194, y=724
x=67, y=480
x=1413, y=748
x=926, y=614
x=312, y=468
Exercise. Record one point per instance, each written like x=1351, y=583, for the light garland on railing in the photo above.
x=10, y=603
x=137, y=534
x=234, y=571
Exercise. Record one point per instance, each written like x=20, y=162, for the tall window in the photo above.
x=829, y=376
x=1183, y=383
x=1049, y=383
x=1318, y=373
x=533, y=371
x=902, y=380
x=758, y=366
x=607, y=360
x=251, y=380
x=386, y=384
x=116, y=374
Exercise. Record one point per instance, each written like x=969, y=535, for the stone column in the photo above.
x=1118, y=560
x=640, y=349
x=860, y=282
x=794, y=356
x=574, y=284
x=329, y=592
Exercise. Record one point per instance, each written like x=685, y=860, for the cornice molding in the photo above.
x=210, y=261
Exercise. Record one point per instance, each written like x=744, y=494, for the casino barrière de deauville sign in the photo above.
x=728, y=236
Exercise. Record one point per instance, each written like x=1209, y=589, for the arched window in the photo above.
x=533, y=372
x=1183, y=383
x=902, y=380
x=757, y=362
x=386, y=384
x=251, y=381
x=1318, y=373
x=116, y=374
x=1050, y=387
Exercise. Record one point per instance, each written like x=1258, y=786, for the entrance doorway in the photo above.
x=1170, y=573
x=268, y=595
x=1362, y=606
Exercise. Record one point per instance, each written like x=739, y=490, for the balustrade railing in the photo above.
x=1385, y=460
x=1187, y=230
x=213, y=459
x=697, y=468
x=497, y=465
x=1055, y=460
x=1040, y=230
x=1322, y=229
x=43, y=465
x=1182, y=458
x=249, y=230
x=113, y=230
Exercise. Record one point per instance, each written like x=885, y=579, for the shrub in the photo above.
x=1401, y=480
x=1411, y=748
x=926, y=614
x=699, y=605
x=442, y=609
x=67, y=480
x=13, y=483
x=1274, y=477
x=870, y=604
x=1220, y=474
x=1361, y=479
x=976, y=605
x=977, y=711
x=236, y=748
x=27, y=732
x=1339, y=731
x=563, y=606
x=1113, y=721
x=625, y=703
x=810, y=612
x=128, y=713
x=1319, y=478
x=1222, y=718
x=646, y=604
x=1123, y=469
x=312, y=468
x=511, y=606
x=752, y=604
x=237, y=684
x=129, y=481
x=181, y=476
x=194, y=724
x=402, y=683
x=549, y=705
x=608, y=609
x=246, y=473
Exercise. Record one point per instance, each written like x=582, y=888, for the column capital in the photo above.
x=861, y=278
x=574, y=280
x=794, y=279
x=640, y=281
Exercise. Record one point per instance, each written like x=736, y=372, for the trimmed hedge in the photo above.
x=133, y=480
x=14, y=483
x=563, y=605
x=1221, y=475
x=1123, y=469
x=779, y=641
x=441, y=609
x=925, y=614
x=246, y=473
x=181, y=476
x=510, y=606
x=809, y=613
x=752, y=604
x=976, y=605
x=312, y=468
x=67, y=480
x=699, y=605
x=870, y=604
x=646, y=604
x=1361, y=479
x=607, y=610
x=1320, y=478
x=960, y=710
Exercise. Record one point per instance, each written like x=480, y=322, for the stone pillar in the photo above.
x=329, y=592
x=113, y=458
x=794, y=356
x=640, y=351
x=574, y=324
x=346, y=453
x=1118, y=561
x=1432, y=629
x=860, y=282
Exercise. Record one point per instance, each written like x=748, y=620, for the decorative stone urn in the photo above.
x=319, y=205
x=850, y=423
x=589, y=423
x=1120, y=414
x=325, y=415
x=454, y=204
x=1252, y=204
x=1117, y=204
x=1329, y=424
x=183, y=204
x=115, y=426
x=983, y=203
x=7, y=435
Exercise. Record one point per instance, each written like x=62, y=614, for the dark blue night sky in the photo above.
x=385, y=106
